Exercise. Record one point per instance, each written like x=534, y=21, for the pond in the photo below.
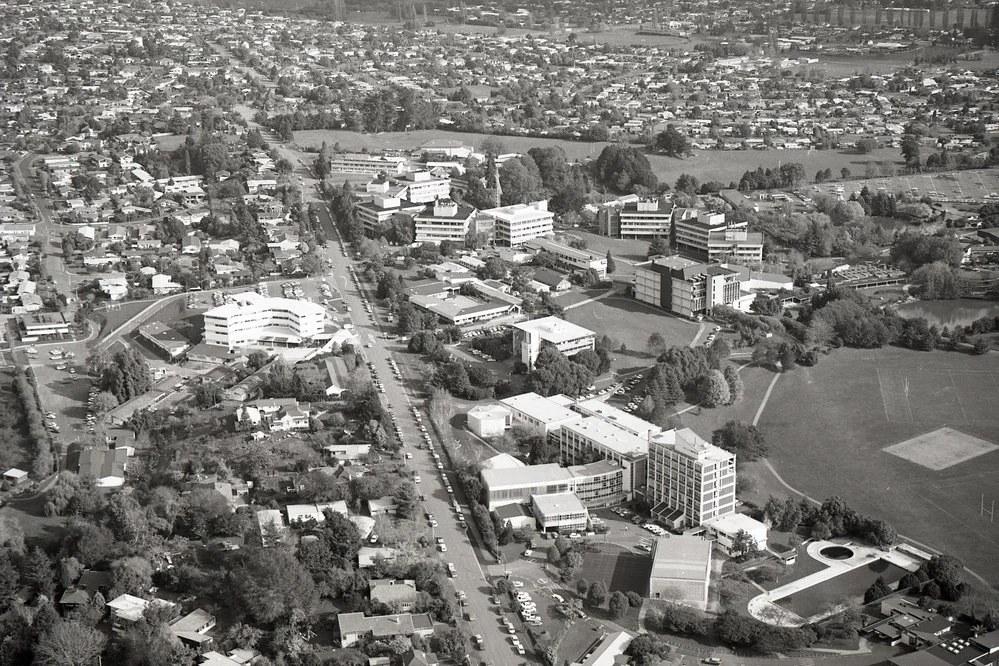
x=961, y=311
x=850, y=585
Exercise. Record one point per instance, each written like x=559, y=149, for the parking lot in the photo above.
x=972, y=186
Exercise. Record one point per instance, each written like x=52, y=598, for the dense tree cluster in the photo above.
x=787, y=175
x=743, y=439
x=126, y=375
x=42, y=459
x=912, y=250
x=671, y=141
x=555, y=373
x=623, y=168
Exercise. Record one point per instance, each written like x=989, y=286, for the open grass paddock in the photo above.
x=936, y=413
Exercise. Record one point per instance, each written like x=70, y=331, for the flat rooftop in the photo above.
x=610, y=436
x=553, y=329
x=531, y=475
x=681, y=558
x=622, y=419
x=687, y=442
x=544, y=410
x=559, y=503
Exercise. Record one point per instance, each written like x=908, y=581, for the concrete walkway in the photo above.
x=610, y=292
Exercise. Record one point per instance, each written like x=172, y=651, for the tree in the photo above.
x=736, y=389
x=743, y=439
x=656, y=343
x=104, y=402
x=611, y=266
x=877, y=590
x=127, y=375
x=520, y=181
x=743, y=544
x=582, y=586
x=274, y=584
x=453, y=642
x=68, y=643
x=672, y=142
x=714, y=389
x=658, y=246
x=131, y=575
x=597, y=594
x=618, y=605
x=37, y=572
x=910, y=150
x=624, y=168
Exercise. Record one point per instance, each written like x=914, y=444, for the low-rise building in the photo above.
x=489, y=420
x=355, y=626
x=568, y=338
x=681, y=570
x=726, y=529
x=42, y=324
x=500, y=486
x=164, y=338
x=536, y=412
x=560, y=512
x=399, y=595
x=569, y=258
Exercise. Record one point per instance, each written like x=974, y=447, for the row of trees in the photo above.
x=42, y=459
x=833, y=518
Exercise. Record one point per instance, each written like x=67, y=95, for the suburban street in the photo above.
x=400, y=397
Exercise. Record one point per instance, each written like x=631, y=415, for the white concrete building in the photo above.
x=251, y=319
x=515, y=225
x=681, y=570
x=690, y=481
x=580, y=441
x=570, y=258
x=503, y=486
x=530, y=410
x=443, y=220
x=567, y=337
x=422, y=187
x=488, y=420
x=560, y=512
x=725, y=528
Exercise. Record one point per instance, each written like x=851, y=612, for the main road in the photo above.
x=401, y=397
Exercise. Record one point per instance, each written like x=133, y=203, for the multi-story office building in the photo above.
x=568, y=338
x=599, y=483
x=423, y=187
x=569, y=258
x=686, y=287
x=622, y=419
x=379, y=211
x=644, y=219
x=579, y=442
x=690, y=481
x=515, y=225
x=251, y=319
x=443, y=220
x=366, y=164
x=711, y=238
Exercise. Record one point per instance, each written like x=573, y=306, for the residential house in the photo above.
x=399, y=595
x=354, y=626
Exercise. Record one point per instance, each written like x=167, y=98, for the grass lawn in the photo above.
x=827, y=427
x=630, y=322
x=121, y=313
x=841, y=589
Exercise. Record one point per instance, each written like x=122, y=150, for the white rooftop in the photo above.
x=559, y=503
x=519, y=212
x=553, y=329
x=252, y=300
x=734, y=522
x=610, y=436
x=544, y=410
x=681, y=558
x=502, y=461
x=530, y=475
x=482, y=411
x=622, y=419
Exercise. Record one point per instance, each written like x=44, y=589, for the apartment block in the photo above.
x=644, y=219
x=568, y=338
x=690, y=481
x=687, y=287
x=710, y=237
x=515, y=225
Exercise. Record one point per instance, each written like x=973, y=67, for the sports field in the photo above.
x=907, y=436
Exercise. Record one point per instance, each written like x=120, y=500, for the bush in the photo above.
x=634, y=598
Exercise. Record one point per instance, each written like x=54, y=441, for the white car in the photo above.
x=517, y=584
